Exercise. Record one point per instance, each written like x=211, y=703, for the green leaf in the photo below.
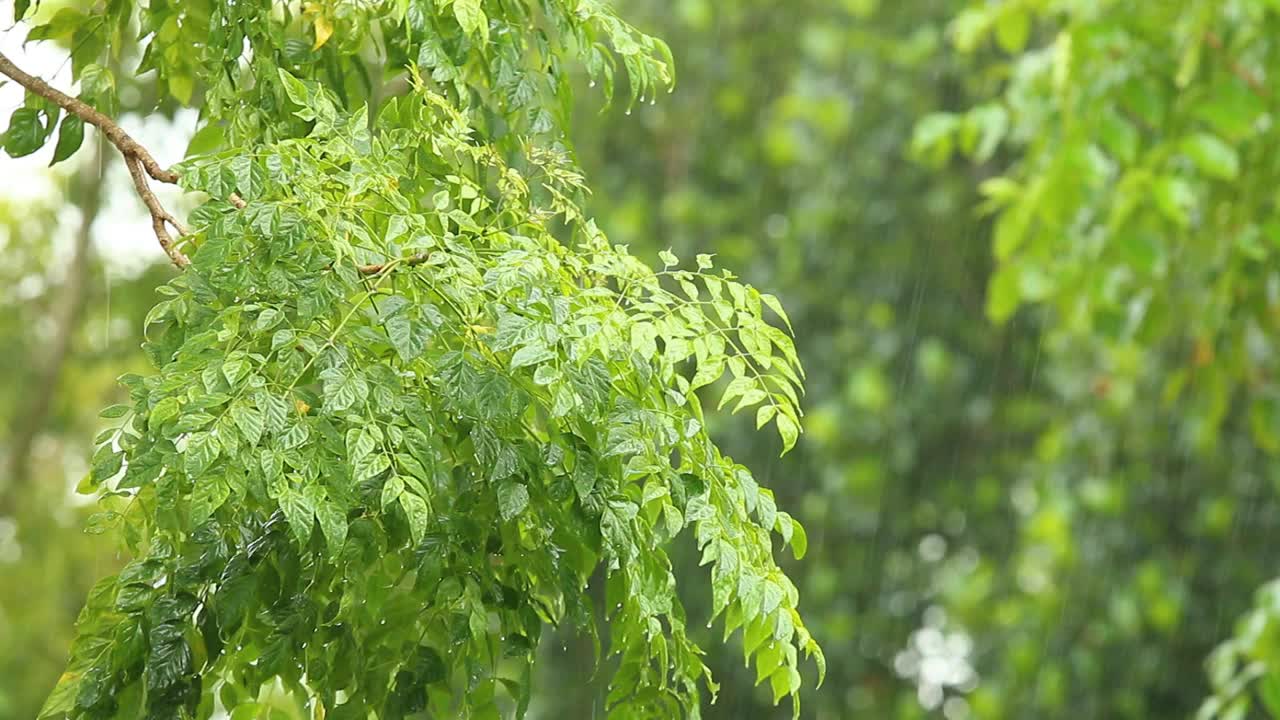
x=63, y=698
x=170, y=657
x=776, y=305
x=62, y=26
x=513, y=498
x=934, y=137
x=343, y=390
x=419, y=515
x=1175, y=198
x=70, y=137
x=1119, y=136
x=1269, y=692
x=751, y=397
x=1013, y=26
x=106, y=463
x=209, y=495
x=97, y=83
x=164, y=411
x=391, y=491
x=471, y=17
x=202, y=450
x=1212, y=155
x=275, y=411
x=25, y=134
x=360, y=444
x=984, y=127
x=767, y=661
x=206, y=140
x=789, y=430
x=294, y=88
x=251, y=711
x=283, y=338
x=115, y=411
x=268, y=319
x=408, y=336
x=333, y=525
x=295, y=436
x=300, y=511
x=250, y=422
x=531, y=355
x=799, y=541
x=785, y=681
x=708, y=372
x=235, y=369
x=811, y=649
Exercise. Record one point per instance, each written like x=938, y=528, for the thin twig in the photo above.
x=137, y=158
x=1245, y=75
x=159, y=216
x=379, y=267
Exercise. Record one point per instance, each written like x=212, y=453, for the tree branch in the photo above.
x=159, y=216
x=1248, y=78
x=379, y=267
x=139, y=161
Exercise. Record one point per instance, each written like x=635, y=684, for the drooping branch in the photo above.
x=140, y=162
x=159, y=216
x=137, y=158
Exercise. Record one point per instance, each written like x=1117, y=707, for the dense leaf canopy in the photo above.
x=407, y=397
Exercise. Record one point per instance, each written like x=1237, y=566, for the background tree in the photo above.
x=1025, y=247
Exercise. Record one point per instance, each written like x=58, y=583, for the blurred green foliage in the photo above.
x=47, y=561
x=1029, y=251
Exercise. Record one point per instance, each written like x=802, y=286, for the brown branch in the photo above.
x=136, y=157
x=379, y=267
x=118, y=137
x=159, y=216
x=1245, y=75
